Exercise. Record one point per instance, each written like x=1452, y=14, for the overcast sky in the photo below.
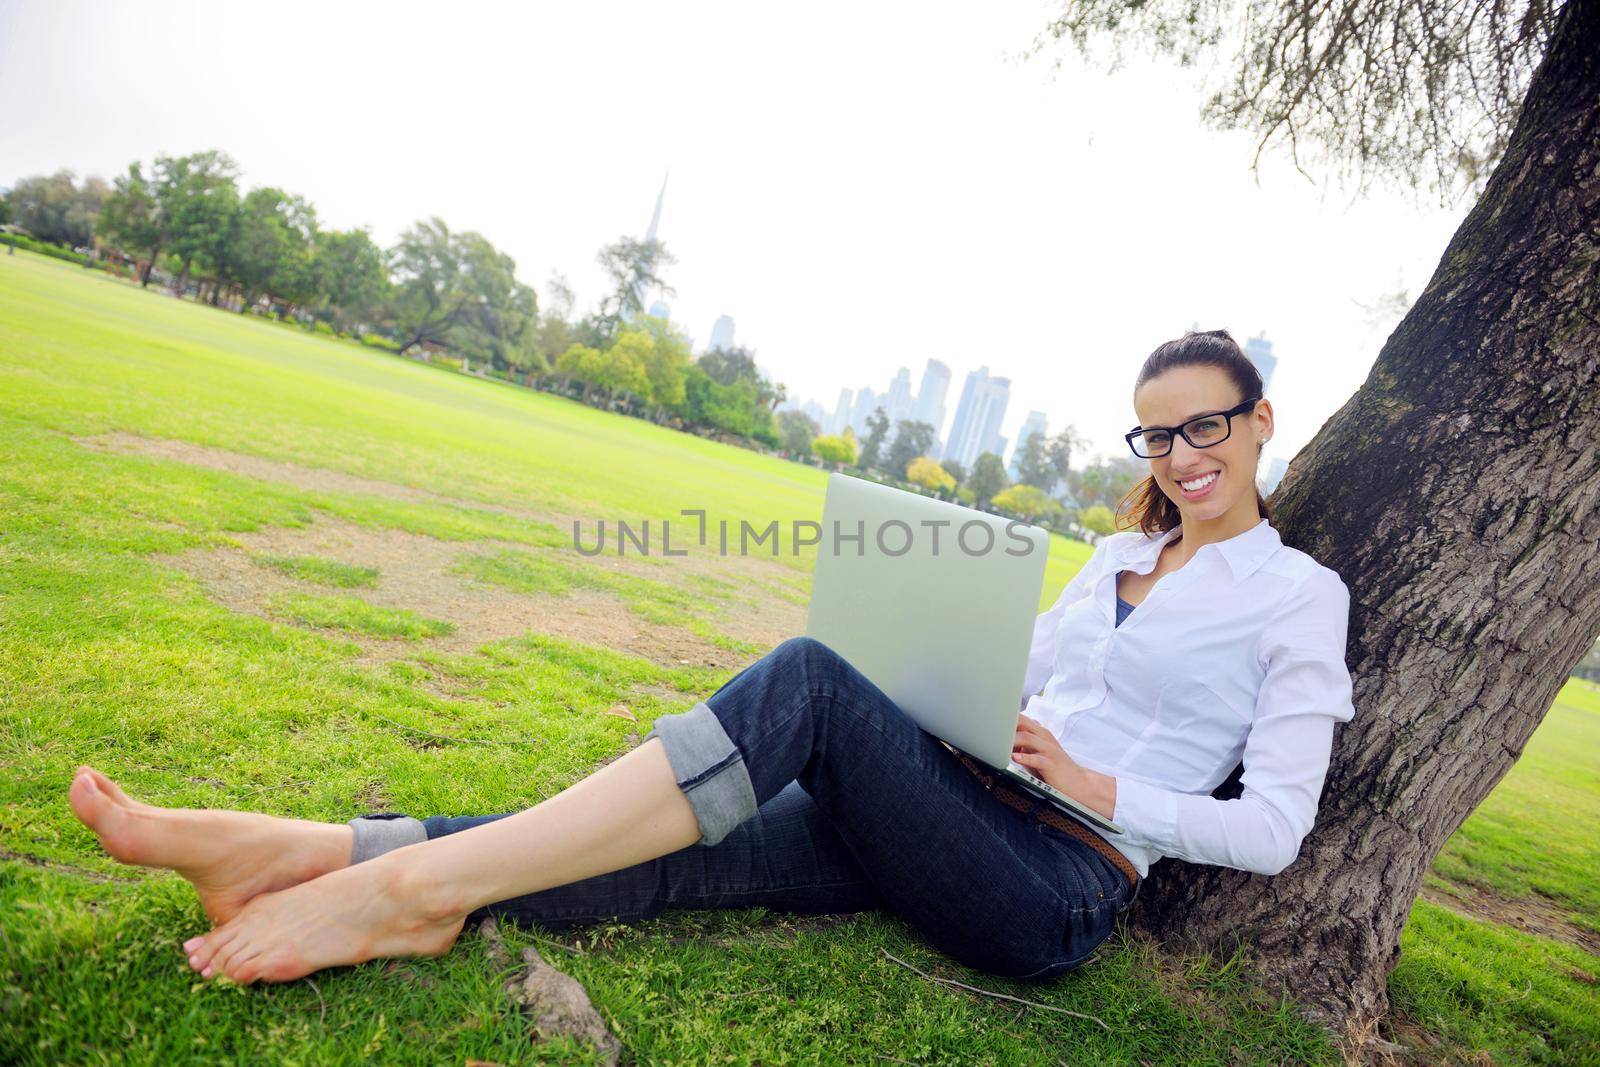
x=861, y=186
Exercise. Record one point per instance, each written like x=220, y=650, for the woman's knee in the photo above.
x=816, y=666
x=809, y=654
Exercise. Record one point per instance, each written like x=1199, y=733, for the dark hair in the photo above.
x=1145, y=505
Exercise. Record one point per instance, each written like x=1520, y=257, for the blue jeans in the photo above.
x=816, y=794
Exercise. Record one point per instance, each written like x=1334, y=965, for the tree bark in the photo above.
x=147, y=267
x=1457, y=493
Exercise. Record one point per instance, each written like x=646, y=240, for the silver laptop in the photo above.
x=935, y=603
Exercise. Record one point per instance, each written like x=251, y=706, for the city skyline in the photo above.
x=1062, y=239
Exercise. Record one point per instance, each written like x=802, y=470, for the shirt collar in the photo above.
x=1243, y=552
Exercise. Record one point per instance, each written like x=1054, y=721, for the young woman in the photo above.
x=1186, y=643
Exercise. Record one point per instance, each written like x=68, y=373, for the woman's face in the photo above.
x=1174, y=397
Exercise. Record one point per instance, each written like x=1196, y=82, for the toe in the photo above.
x=246, y=972
x=97, y=811
x=204, y=954
x=222, y=964
x=243, y=966
x=111, y=789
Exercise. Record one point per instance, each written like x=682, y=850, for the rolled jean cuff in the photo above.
x=709, y=768
x=377, y=834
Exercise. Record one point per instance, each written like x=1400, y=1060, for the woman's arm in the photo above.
x=1305, y=690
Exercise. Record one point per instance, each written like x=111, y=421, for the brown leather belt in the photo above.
x=1051, y=817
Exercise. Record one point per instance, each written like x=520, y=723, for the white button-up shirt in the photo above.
x=1237, y=654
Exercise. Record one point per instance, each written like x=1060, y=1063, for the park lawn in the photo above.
x=1529, y=853
x=111, y=655
x=1551, y=800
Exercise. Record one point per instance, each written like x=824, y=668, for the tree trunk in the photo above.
x=1457, y=493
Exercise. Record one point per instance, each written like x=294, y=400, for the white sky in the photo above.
x=862, y=186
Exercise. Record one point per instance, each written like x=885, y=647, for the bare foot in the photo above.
x=359, y=913
x=229, y=856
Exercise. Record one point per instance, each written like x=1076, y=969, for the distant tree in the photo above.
x=633, y=268
x=555, y=332
x=732, y=408
x=55, y=208
x=458, y=291
x=988, y=477
x=926, y=472
x=429, y=291
x=872, y=447
x=350, y=276
x=954, y=469
x=1589, y=666
x=499, y=319
x=737, y=363
x=131, y=218
x=271, y=249
x=666, y=362
x=796, y=430
x=198, y=198
x=837, y=449
x=582, y=363
x=214, y=224
x=1026, y=501
x=561, y=298
x=912, y=439
x=623, y=365
x=1106, y=481
x=1035, y=465
x=1060, y=449
x=1098, y=517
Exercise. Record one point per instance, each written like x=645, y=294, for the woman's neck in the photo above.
x=1198, y=533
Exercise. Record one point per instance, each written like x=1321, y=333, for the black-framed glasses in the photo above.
x=1202, y=431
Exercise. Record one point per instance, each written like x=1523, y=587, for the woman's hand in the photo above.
x=1037, y=749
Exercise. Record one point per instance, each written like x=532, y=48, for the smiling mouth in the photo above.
x=1194, y=485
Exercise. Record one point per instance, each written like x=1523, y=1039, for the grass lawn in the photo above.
x=246, y=566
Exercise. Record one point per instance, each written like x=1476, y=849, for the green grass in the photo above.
x=322, y=571
x=1482, y=985
x=356, y=615
x=1520, y=998
x=110, y=656
x=1552, y=797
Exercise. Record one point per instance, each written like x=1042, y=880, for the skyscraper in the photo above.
x=897, y=402
x=929, y=407
x=866, y=401
x=1034, y=424
x=814, y=410
x=1259, y=350
x=999, y=397
x=841, y=412
x=721, y=333
x=650, y=235
x=978, y=415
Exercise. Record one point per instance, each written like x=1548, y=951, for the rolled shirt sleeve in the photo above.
x=1306, y=689
x=1041, y=653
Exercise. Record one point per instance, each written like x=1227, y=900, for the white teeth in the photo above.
x=1199, y=483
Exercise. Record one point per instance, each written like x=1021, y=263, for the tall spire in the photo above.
x=639, y=293
x=655, y=216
